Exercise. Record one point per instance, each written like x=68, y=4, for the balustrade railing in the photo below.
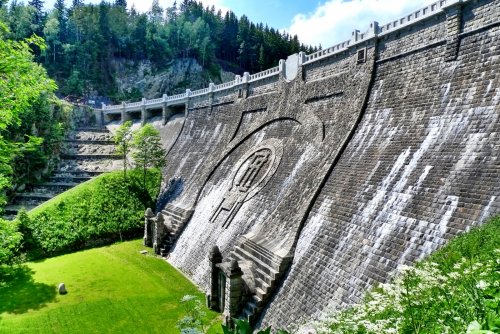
x=264, y=74
x=357, y=37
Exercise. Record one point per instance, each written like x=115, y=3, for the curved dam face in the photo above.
x=316, y=183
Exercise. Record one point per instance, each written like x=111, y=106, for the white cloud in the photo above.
x=145, y=5
x=333, y=21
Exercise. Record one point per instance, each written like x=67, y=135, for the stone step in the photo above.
x=53, y=187
x=90, y=157
x=35, y=196
x=60, y=173
x=259, y=274
x=264, y=267
x=70, y=179
x=93, y=129
x=89, y=149
x=88, y=166
x=173, y=216
x=263, y=284
x=13, y=209
x=263, y=254
x=89, y=142
x=185, y=214
x=252, y=309
x=32, y=199
x=91, y=135
x=261, y=293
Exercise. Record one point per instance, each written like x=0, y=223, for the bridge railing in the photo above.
x=111, y=108
x=432, y=9
x=177, y=97
x=356, y=38
x=224, y=86
x=200, y=92
x=154, y=101
x=265, y=74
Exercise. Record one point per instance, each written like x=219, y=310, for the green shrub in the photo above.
x=455, y=290
x=102, y=210
x=10, y=240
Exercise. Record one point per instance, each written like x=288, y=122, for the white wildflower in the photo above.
x=482, y=285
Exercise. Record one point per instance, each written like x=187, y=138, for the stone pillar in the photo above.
x=144, y=115
x=98, y=113
x=373, y=29
x=234, y=292
x=214, y=258
x=244, y=87
x=164, y=110
x=148, y=227
x=188, y=99
x=125, y=115
x=453, y=10
x=355, y=36
x=282, y=69
x=158, y=232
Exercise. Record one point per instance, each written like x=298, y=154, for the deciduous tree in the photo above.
x=148, y=151
x=123, y=140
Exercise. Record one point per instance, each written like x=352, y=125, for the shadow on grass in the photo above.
x=19, y=293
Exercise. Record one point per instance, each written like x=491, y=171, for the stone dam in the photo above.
x=292, y=191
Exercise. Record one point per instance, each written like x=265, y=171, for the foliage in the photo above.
x=193, y=321
x=33, y=120
x=123, y=140
x=112, y=289
x=104, y=209
x=242, y=326
x=87, y=38
x=10, y=241
x=148, y=150
x=456, y=290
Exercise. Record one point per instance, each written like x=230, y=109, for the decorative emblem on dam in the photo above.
x=253, y=171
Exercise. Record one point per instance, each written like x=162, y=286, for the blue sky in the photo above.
x=325, y=22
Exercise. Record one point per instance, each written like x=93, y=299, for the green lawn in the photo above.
x=112, y=289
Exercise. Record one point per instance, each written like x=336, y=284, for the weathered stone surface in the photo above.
x=422, y=167
x=352, y=168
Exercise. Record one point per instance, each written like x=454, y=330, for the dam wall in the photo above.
x=292, y=191
x=422, y=167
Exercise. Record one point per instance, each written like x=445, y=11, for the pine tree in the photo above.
x=77, y=3
x=121, y=3
x=171, y=12
x=63, y=20
x=37, y=15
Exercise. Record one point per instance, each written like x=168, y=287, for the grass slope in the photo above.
x=112, y=289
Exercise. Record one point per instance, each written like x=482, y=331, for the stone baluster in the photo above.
x=148, y=227
x=158, y=230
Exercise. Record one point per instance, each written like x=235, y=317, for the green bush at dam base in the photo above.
x=99, y=211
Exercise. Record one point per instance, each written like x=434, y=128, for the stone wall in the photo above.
x=351, y=167
x=422, y=167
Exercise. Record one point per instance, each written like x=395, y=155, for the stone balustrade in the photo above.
x=374, y=31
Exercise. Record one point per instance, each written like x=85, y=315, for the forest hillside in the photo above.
x=93, y=50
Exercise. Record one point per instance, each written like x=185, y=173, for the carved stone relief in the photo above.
x=251, y=174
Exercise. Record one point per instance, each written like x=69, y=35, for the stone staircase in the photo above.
x=175, y=219
x=87, y=152
x=266, y=269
